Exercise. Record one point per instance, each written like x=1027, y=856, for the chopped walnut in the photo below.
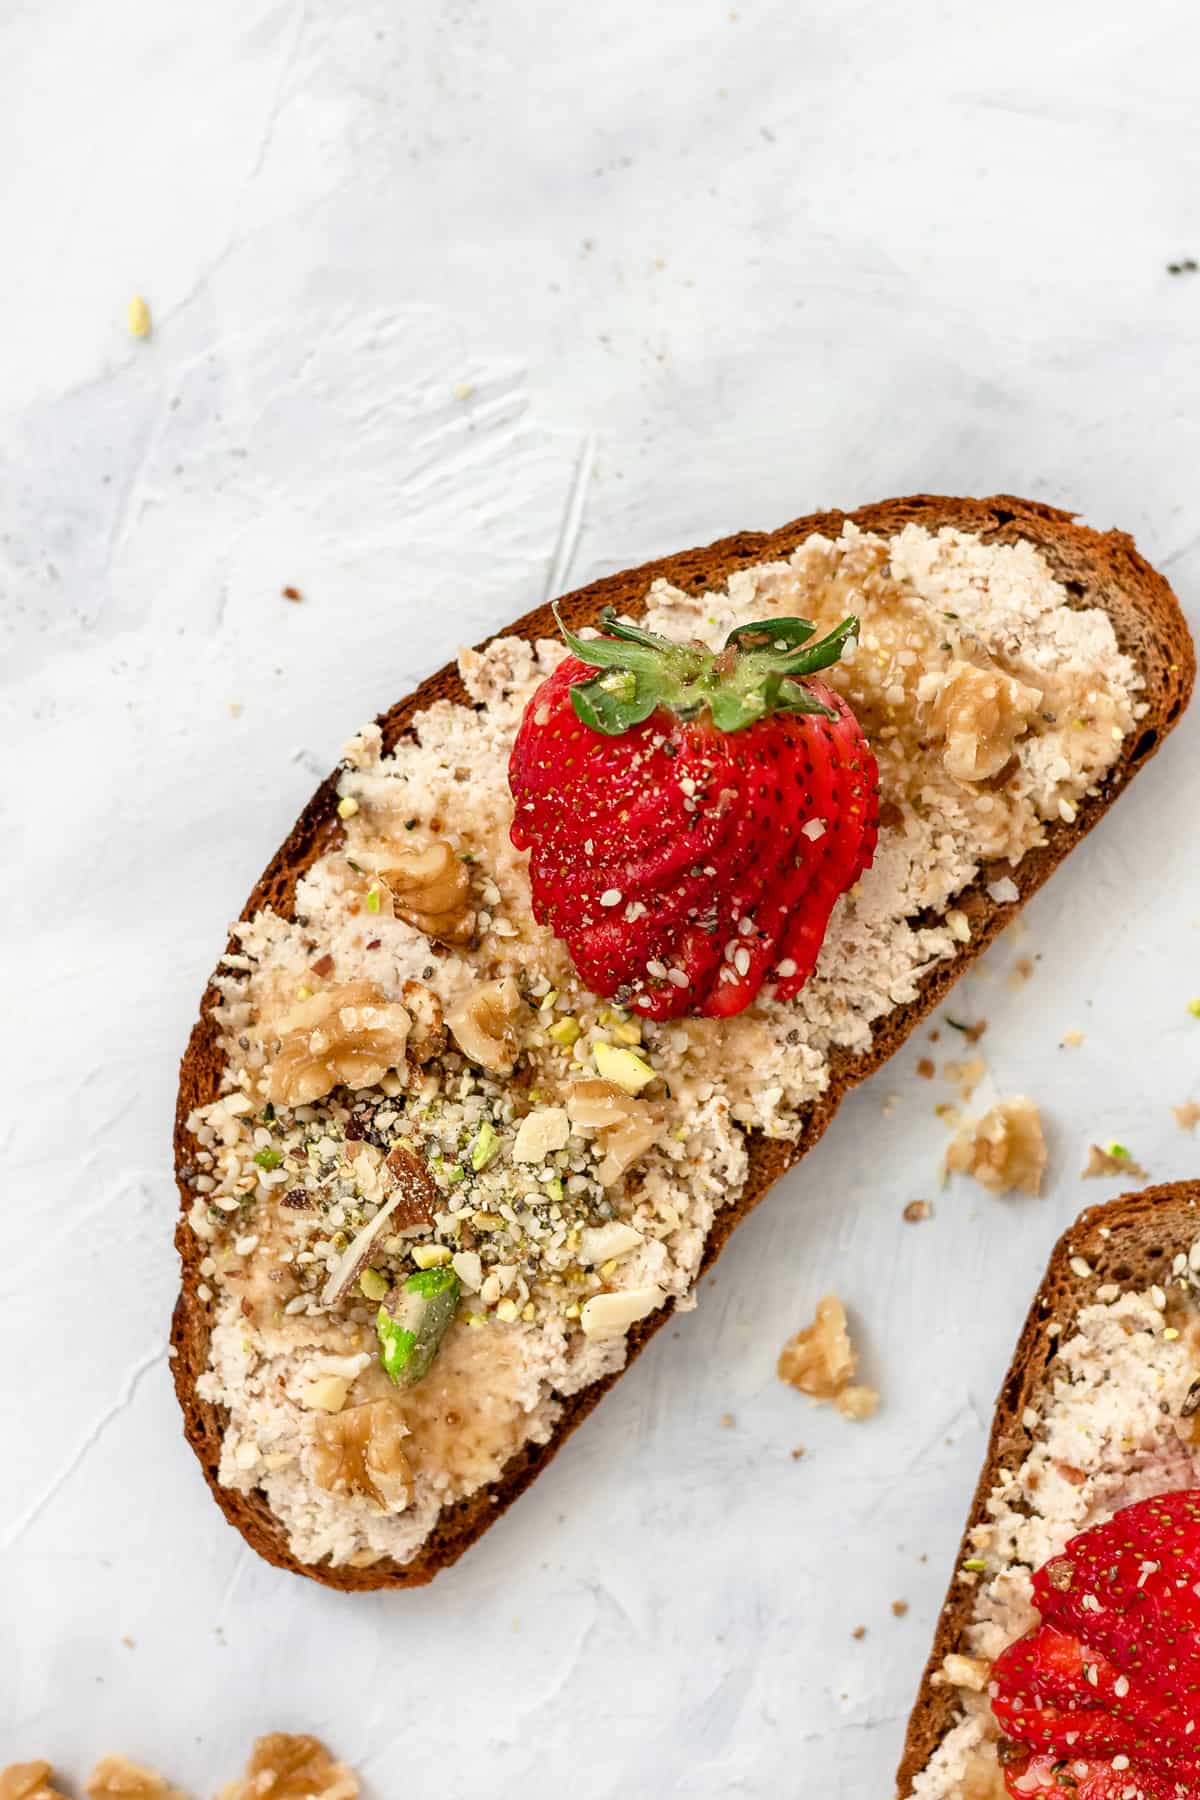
x=360, y=1451
x=1005, y=1149
x=350, y=1034
x=116, y=1778
x=625, y=1128
x=283, y=1767
x=427, y=1032
x=483, y=1025
x=970, y=1672
x=821, y=1362
x=981, y=712
x=1112, y=1162
x=430, y=889
x=28, y=1781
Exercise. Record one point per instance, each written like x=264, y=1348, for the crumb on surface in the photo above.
x=916, y=1211
x=727, y=1419
x=137, y=317
x=1005, y=1149
x=820, y=1361
x=1072, y=1039
x=926, y=1069
x=292, y=593
x=1113, y=1160
x=859, y=1633
x=1021, y=972
x=1187, y=1116
x=899, y=1608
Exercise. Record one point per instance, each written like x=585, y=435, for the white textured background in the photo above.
x=698, y=269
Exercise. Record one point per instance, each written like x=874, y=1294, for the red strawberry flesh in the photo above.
x=684, y=861
x=1102, y=1699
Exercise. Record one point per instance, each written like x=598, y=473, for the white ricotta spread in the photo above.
x=992, y=706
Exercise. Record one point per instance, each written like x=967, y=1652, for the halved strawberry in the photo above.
x=1110, y=1680
x=689, y=813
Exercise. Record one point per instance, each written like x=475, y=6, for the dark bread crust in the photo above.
x=1096, y=569
x=1130, y=1241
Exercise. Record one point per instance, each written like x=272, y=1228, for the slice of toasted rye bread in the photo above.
x=1132, y=1242
x=1096, y=569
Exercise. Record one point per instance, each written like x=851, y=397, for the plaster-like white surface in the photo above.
x=458, y=304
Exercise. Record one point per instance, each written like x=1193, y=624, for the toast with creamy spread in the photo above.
x=437, y=1195
x=1098, y=1411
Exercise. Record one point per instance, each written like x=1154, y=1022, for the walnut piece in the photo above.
x=427, y=1032
x=351, y=1033
x=625, y=1128
x=970, y=1672
x=1106, y=1162
x=360, y=1451
x=1005, y=1149
x=28, y=1781
x=981, y=712
x=484, y=1025
x=430, y=889
x=822, y=1363
x=116, y=1778
x=284, y=1767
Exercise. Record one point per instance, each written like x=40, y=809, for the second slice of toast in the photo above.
x=1139, y=1245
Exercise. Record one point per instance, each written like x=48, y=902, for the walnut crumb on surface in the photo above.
x=1187, y=1116
x=1115, y=1160
x=1072, y=1039
x=287, y=1767
x=916, y=1211
x=116, y=1778
x=1003, y=1150
x=28, y=1781
x=899, y=1608
x=859, y=1633
x=821, y=1362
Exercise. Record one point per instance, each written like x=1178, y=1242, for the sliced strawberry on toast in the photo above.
x=693, y=816
x=1102, y=1699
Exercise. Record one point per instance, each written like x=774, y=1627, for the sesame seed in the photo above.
x=741, y=960
x=785, y=968
x=677, y=978
x=611, y=897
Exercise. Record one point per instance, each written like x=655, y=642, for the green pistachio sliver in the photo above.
x=373, y=900
x=373, y=1284
x=485, y=1146
x=1194, y=1007
x=412, y=1322
x=268, y=1158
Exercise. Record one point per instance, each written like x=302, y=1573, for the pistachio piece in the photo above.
x=413, y=1320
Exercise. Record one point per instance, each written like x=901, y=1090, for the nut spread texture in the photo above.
x=473, y=1125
